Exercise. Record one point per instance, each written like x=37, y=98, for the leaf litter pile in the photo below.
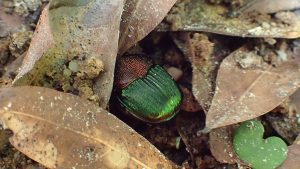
x=232, y=60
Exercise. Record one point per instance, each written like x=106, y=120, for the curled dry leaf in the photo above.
x=202, y=50
x=41, y=41
x=292, y=161
x=61, y=130
x=271, y=6
x=198, y=15
x=86, y=33
x=198, y=50
x=205, y=57
x=139, y=18
x=247, y=88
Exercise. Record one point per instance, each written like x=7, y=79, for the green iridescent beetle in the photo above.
x=149, y=92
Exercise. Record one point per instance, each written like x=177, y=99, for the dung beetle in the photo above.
x=145, y=89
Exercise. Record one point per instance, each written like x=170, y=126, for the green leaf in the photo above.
x=260, y=153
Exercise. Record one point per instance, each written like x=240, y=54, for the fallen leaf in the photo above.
x=292, y=161
x=221, y=147
x=61, y=130
x=139, y=18
x=271, y=6
x=246, y=89
x=259, y=152
x=202, y=51
x=198, y=15
x=41, y=41
x=295, y=99
x=88, y=30
x=205, y=57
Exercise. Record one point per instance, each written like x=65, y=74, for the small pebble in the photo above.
x=175, y=73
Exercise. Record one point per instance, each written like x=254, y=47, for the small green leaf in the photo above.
x=260, y=153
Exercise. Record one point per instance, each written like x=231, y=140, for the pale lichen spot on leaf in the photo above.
x=117, y=158
x=24, y=137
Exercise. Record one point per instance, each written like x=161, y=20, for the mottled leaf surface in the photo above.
x=41, y=41
x=198, y=15
x=61, y=130
x=221, y=147
x=202, y=54
x=271, y=6
x=243, y=93
x=139, y=18
x=80, y=29
x=205, y=57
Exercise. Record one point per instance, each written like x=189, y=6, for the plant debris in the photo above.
x=225, y=79
x=198, y=15
x=63, y=131
x=261, y=88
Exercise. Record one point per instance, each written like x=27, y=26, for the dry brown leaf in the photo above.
x=198, y=15
x=139, y=18
x=205, y=57
x=201, y=50
x=292, y=161
x=246, y=89
x=89, y=29
x=295, y=99
x=61, y=130
x=271, y=6
x=41, y=41
x=221, y=147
